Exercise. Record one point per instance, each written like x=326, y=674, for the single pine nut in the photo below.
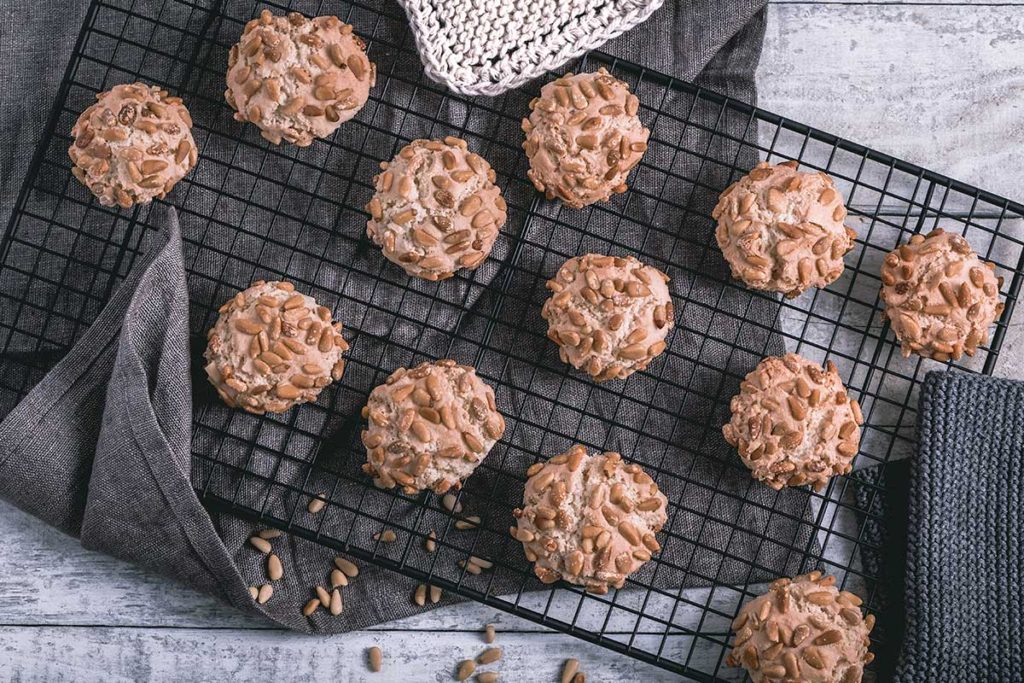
x=489, y=656
x=420, y=596
x=465, y=670
x=487, y=677
x=274, y=569
x=269, y=534
x=338, y=579
x=376, y=658
x=336, y=606
x=315, y=505
x=265, y=593
x=350, y=569
x=261, y=544
x=311, y=606
x=435, y=595
x=489, y=634
x=569, y=670
x=254, y=592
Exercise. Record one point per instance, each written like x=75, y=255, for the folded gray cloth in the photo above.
x=964, y=592
x=100, y=447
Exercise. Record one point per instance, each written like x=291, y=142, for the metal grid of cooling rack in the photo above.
x=297, y=214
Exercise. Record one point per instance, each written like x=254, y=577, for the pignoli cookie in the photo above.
x=583, y=137
x=793, y=422
x=436, y=208
x=609, y=315
x=429, y=427
x=132, y=145
x=781, y=230
x=590, y=520
x=273, y=348
x=298, y=79
x=940, y=298
x=803, y=629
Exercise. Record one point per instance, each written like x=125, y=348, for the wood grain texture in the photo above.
x=108, y=655
x=941, y=84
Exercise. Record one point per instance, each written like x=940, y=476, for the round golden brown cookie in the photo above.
x=583, y=137
x=793, y=422
x=781, y=230
x=132, y=145
x=590, y=520
x=609, y=315
x=436, y=208
x=298, y=79
x=272, y=348
x=939, y=296
x=429, y=427
x=803, y=629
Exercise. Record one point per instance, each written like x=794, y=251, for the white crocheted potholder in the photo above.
x=485, y=47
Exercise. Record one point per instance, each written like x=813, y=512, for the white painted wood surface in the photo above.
x=940, y=84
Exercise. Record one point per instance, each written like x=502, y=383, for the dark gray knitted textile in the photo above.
x=965, y=556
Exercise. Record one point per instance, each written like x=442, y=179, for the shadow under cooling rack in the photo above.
x=250, y=210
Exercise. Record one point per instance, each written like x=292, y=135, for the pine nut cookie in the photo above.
x=609, y=315
x=590, y=520
x=436, y=209
x=803, y=629
x=583, y=137
x=272, y=348
x=298, y=79
x=782, y=230
x=429, y=427
x=939, y=296
x=793, y=423
x=132, y=145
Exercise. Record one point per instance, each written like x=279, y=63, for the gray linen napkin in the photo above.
x=123, y=390
x=949, y=528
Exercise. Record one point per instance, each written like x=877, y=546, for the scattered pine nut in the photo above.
x=579, y=678
x=489, y=656
x=489, y=634
x=451, y=503
x=315, y=505
x=386, y=536
x=265, y=593
x=325, y=597
x=480, y=562
x=470, y=522
x=465, y=670
x=350, y=569
x=311, y=606
x=274, y=569
x=338, y=579
x=254, y=592
x=261, y=544
x=569, y=670
x=435, y=595
x=430, y=543
x=336, y=606
x=469, y=567
x=487, y=677
x=376, y=658
x=269, y=534
x=420, y=596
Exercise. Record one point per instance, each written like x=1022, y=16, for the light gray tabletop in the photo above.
x=940, y=84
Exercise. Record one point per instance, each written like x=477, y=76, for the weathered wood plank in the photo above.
x=104, y=655
x=939, y=85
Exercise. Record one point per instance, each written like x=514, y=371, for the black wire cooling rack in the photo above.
x=297, y=214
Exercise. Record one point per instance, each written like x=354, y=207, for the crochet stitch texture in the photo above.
x=486, y=47
x=965, y=560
